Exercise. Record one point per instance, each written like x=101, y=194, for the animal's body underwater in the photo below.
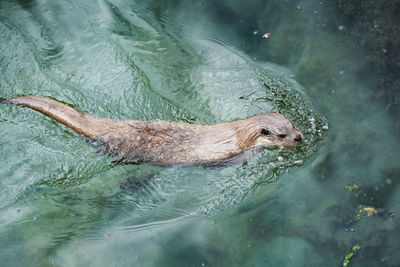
x=170, y=143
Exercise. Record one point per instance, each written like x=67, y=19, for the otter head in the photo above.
x=268, y=130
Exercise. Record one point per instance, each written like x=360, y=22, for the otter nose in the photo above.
x=297, y=138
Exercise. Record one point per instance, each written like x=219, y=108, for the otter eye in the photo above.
x=282, y=135
x=265, y=132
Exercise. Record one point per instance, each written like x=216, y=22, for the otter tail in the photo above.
x=81, y=123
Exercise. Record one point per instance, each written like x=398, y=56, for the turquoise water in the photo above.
x=64, y=204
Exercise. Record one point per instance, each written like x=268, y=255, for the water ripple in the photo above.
x=112, y=60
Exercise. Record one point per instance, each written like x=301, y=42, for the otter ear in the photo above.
x=265, y=132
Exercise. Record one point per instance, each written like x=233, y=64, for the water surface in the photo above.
x=64, y=204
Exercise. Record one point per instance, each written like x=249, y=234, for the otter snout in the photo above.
x=298, y=138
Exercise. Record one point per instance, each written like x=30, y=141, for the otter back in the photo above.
x=170, y=143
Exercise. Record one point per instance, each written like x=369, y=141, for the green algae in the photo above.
x=347, y=259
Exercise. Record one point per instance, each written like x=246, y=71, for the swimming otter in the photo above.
x=170, y=143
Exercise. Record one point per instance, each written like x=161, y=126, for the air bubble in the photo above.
x=298, y=162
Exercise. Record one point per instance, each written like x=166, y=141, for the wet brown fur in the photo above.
x=171, y=143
